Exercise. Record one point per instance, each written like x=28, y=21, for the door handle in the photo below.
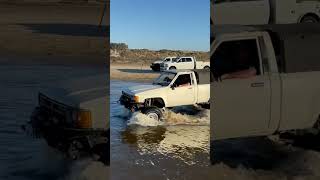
x=257, y=84
x=190, y=88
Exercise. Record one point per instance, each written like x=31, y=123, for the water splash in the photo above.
x=177, y=116
x=88, y=169
x=182, y=135
x=141, y=119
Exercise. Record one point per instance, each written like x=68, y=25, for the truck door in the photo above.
x=241, y=12
x=241, y=101
x=190, y=64
x=182, y=91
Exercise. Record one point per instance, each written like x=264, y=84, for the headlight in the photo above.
x=83, y=119
x=136, y=98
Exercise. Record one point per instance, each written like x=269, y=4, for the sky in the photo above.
x=161, y=24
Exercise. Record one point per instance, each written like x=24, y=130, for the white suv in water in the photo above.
x=170, y=89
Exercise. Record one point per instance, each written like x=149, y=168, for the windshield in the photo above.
x=175, y=59
x=164, y=79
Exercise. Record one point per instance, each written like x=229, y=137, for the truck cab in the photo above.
x=280, y=96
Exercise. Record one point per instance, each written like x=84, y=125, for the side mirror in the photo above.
x=172, y=86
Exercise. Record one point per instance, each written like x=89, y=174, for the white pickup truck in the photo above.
x=156, y=65
x=284, y=93
x=73, y=117
x=184, y=63
x=258, y=12
x=170, y=89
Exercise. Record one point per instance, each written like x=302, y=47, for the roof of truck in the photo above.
x=203, y=75
x=296, y=45
x=281, y=29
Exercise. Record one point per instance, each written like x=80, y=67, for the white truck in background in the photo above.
x=258, y=12
x=155, y=66
x=184, y=63
x=284, y=94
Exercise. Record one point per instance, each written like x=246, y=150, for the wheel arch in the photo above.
x=312, y=14
x=156, y=102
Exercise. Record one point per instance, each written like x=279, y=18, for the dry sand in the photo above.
x=132, y=72
x=52, y=33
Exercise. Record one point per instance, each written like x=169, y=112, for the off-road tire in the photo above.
x=309, y=19
x=172, y=68
x=153, y=111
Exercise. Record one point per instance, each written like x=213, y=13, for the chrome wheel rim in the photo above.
x=153, y=116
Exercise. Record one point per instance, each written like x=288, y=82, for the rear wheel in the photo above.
x=153, y=113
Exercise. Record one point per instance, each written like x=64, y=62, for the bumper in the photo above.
x=163, y=68
x=129, y=104
x=155, y=67
x=56, y=132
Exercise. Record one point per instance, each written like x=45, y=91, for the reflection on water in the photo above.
x=180, y=142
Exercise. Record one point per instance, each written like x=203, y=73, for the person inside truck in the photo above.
x=183, y=80
x=246, y=62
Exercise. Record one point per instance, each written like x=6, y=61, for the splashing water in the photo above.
x=176, y=116
x=88, y=170
x=182, y=135
x=141, y=119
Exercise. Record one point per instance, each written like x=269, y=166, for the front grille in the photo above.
x=126, y=97
x=55, y=110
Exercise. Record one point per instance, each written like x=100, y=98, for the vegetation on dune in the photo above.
x=120, y=53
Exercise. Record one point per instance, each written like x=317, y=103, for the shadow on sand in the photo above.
x=69, y=29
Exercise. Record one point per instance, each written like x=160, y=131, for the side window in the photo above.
x=238, y=58
x=188, y=60
x=183, y=80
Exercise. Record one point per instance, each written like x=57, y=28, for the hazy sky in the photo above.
x=161, y=24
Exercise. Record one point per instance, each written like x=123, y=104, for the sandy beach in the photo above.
x=52, y=33
x=129, y=72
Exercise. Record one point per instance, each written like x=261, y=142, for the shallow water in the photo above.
x=21, y=156
x=141, y=148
